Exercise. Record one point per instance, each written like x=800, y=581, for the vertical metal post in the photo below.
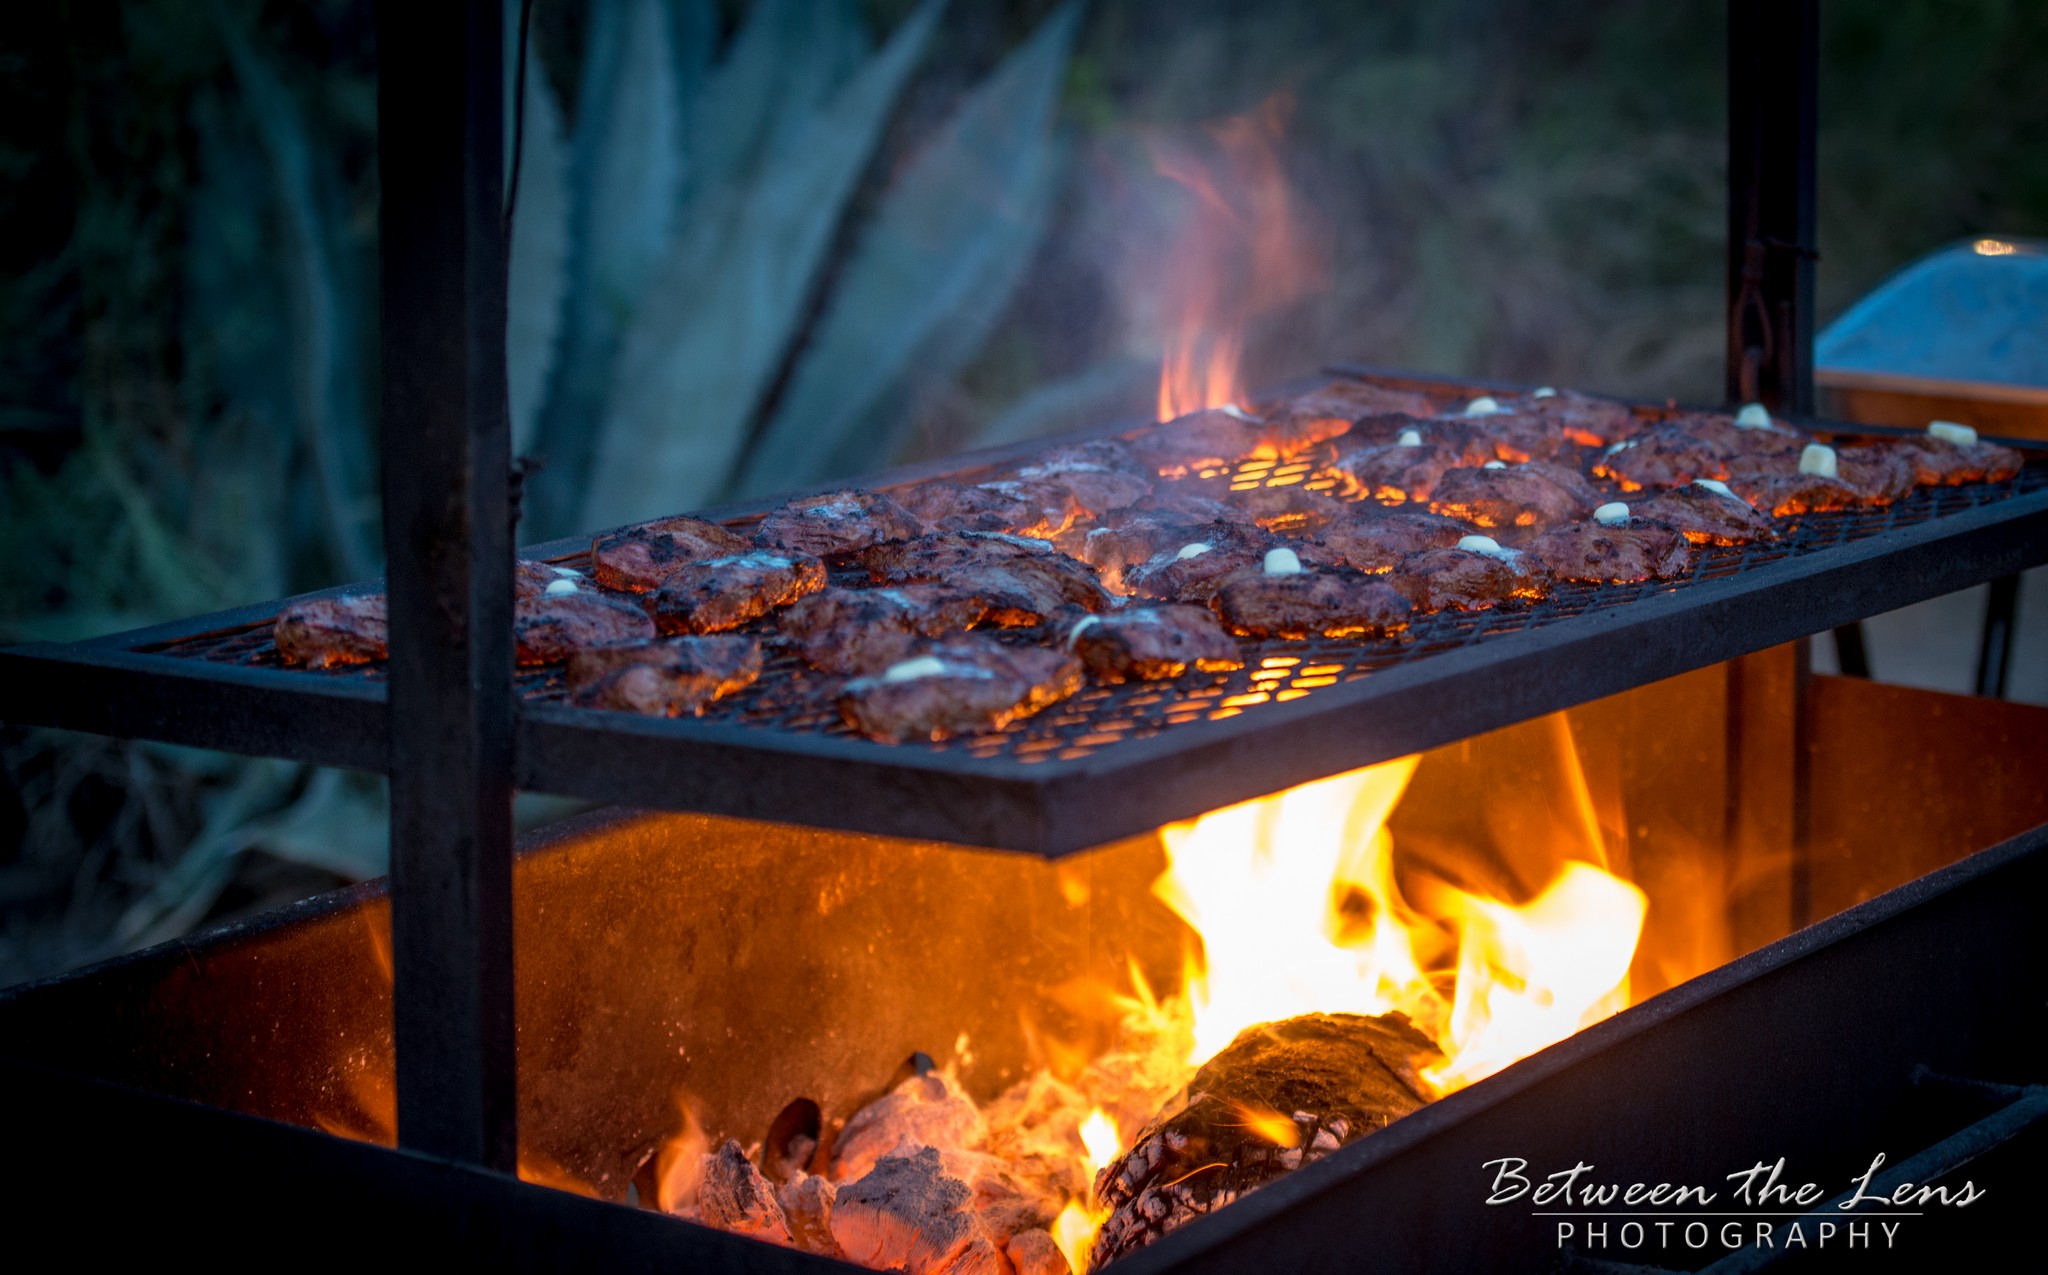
x=1773, y=66
x=447, y=541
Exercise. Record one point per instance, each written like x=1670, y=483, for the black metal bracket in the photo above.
x=1773, y=68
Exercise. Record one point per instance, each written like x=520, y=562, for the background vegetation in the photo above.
x=761, y=244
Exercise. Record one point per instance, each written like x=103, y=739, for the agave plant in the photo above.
x=667, y=255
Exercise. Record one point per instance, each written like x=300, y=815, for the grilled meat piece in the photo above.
x=1097, y=477
x=1787, y=495
x=960, y=685
x=1522, y=436
x=1938, y=462
x=1582, y=418
x=325, y=632
x=836, y=524
x=1464, y=580
x=1665, y=456
x=638, y=559
x=863, y=630
x=532, y=579
x=1023, y=581
x=1292, y=509
x=1373, y=542
x=1394, y=473
x=664, y=678
x=1193, y=570
x=1467, y=440
x=1328, y=412
x=724, y=593
x=1112, y=551
x=1704, y=515
x=1333, y=601
x=1876, y=476
x=1589, y=552
x=1329, y=1079
x=549, y=627
x=1213, y=438
x=1003, y=507
x=1187, y=501
x=1148, y=643
x=1514, y=499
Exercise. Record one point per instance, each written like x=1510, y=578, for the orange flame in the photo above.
x=1295, y=899
x=1074, y=1229
x=1240, y=254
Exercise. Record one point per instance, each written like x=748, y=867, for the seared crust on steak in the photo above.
x=930, y=557
x=1209, y=439
x=1704, y=516
x=836, y=524
x=1466, y=441
x=1023, y=581
x=1191, y=572
x=724, y=593
x=1582, y=418
x=1005, y=507
x=1097, y=477
x=1374, y=541
x=1662, y=457
x=638, y=559
x=1333, y=601
x=863, y=630
x=1591, y=553
x=1939, y=463
x=1393, y=473
x=1515, y=499
x=663, y=678
x=1458, y=579
x=325, y=632
x=1112, y=551
x=961, y=685
x=1152, y=642
x=1873, y=476
x=531, y=579
x=1292, y=509
x=1328, y=412
x=1787, y=495
x=1521, y=436
x=550, y=626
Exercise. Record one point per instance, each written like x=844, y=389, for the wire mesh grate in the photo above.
x=792, y=697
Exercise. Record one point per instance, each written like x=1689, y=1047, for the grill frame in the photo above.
x=1065, y=800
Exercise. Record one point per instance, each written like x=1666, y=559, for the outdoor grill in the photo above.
x=783, y=909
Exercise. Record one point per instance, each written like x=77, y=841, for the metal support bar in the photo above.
x=1994, y=656
x=1852, y=657
x=1773, y=61
x=448, y=543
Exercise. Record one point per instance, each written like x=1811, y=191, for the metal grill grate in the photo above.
x=792, y=697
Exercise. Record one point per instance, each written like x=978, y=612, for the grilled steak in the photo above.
x=1875, y=476
x=1467, y=441
x=960, y=685
x=548, y=627
x=863, y=630
x=1582, y=418
x=1328, y=412
x=1940, y=462
x=1292, y=509
x=663, y=678
x=531, y=579
x=638, y=559
x=1705, y=515
x=1003, y=507
x=1333, y=601
x=931, y=557
x=324, y=632
x=1374, y=541
x=1787, y=495
x=1394, y=473
x=1465, y=580
x=1148, y=643
x=724, y=593
x=1096, y=477
x=1589, y=552
x=1662, y=457
x=1515, y=498
x=836, y=524
x=1209, y=439
x=1112, y=551
x=1023, y=581
x=1193, y=570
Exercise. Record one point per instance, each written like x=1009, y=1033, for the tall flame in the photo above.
x=1240, y=254
x=1297, y=905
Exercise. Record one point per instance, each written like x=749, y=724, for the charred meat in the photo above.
x=326, y=632
x=1193, y=570
x=854, y=631
x=1376, y=540
x=1946, y=462
x=1397, y=473
x=1873, y=476
x=1096, y=477
x=1148, y=643
x=1002, y=507
x=1467, y=441
x=1591, y=553
x=1705, y=512
x=664, y=678
x=549, y=627
x=1292, y=509
x=1213, y=438
x=1466, y=579
x=1582, y=418
x=1328, y=412
x=836, y=524
x=532, y=579
x=1514, y=498
x=1023, y=581
x=638, y=559
x=1332, y=601
x=724, y=593
x=961, y=685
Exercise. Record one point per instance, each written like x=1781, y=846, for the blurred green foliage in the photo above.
x=763, y=243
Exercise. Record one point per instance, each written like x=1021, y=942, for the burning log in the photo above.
x=1279, y=1096
x=735, y=1197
